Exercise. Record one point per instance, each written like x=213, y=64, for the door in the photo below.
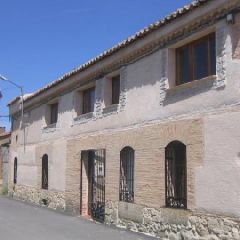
x=93, y=166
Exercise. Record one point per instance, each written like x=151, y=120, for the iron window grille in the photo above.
x=15, y=171
x=176, y=175
x=126, y=189
x=45, y=172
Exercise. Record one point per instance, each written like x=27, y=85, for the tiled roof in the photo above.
x=142, y=33
x=5, y=134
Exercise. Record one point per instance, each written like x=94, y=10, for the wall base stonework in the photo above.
x=51, y=199
x=172, y=223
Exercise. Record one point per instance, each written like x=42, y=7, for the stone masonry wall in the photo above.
x=171, y=223
x=51, y=199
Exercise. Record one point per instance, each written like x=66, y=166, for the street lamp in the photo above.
x=22, y=100
x=21, y=90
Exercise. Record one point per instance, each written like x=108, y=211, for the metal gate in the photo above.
x=96, y=184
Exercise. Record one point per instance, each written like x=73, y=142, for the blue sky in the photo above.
x=41, y=40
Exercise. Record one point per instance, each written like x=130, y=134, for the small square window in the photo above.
x=115, y=89
x=88, y=100
x=54, y=113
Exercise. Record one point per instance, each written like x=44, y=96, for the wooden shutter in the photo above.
x=88, y=100
x=115, y=89
x=54, y=113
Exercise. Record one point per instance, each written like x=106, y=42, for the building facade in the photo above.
x=146, y=135
x=4, y=159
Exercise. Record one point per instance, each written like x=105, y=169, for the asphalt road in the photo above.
x=21, y=221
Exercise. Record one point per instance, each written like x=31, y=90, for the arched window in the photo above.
x=176, y=175
x=126, y=188
x=45, y=171
x=15, y=171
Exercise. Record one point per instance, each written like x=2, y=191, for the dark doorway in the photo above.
x=93, y=184
x=176, y=175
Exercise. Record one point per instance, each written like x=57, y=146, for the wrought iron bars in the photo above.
x=126, y=188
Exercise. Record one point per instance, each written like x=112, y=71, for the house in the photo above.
x=144, y=136
x=4, y=157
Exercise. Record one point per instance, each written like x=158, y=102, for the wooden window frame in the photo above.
x=86, y=100
x=53, y=113
x=116, y=89
x=192, y=66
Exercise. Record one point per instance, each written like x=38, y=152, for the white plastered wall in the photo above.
x=143, y=106
x=217, y=181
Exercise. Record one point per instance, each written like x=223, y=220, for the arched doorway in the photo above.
x=176, y=175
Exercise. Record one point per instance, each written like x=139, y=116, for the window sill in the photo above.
x=83, y=118
x=50, y=128
x=193, y=84
x=111, y=109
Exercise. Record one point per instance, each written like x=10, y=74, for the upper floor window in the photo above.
x=115, y=89
x=126, y=189
x=88, y=100
x=54, y=113
x=196, y=60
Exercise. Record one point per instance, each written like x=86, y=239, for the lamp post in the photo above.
x=22, y=100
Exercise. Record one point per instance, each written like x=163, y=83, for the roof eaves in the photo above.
x=142, y=33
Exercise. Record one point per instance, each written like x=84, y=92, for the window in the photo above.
x=15, y=171
x=115, y=89
x=176, y=175
x=45, y=171
x=196, y=60
x=88, y=100
x=126, y=189
x=54, y=113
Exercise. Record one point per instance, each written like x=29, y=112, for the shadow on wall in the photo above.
x=186, y=93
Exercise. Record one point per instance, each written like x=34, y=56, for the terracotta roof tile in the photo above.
x=6, y=134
